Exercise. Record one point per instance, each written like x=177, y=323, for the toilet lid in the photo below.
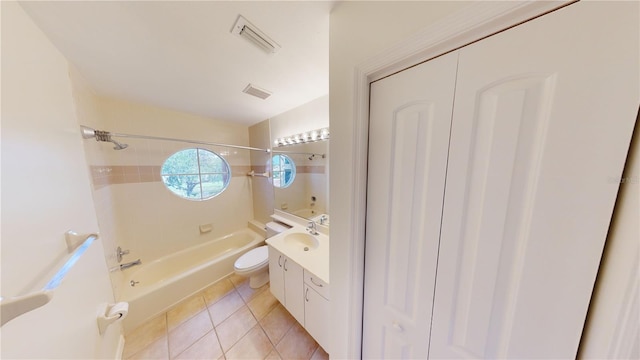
x=253, y=258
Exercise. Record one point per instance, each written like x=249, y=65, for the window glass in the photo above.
x=196, y=174
x=283, y=169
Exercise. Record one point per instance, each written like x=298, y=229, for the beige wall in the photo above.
x=312, y=175
x=142, y=214
x=260, y=137
x=359, y=31
x=46, y=191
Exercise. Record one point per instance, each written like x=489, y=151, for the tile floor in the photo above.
x=228, y=320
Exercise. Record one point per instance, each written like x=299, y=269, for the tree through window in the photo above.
x=196, y=174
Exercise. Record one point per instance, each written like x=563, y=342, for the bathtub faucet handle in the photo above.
x=120, y=252
x=130, y=264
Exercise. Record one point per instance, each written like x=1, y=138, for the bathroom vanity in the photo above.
x=299, y=274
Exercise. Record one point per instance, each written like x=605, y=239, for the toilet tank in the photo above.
x=274, y=228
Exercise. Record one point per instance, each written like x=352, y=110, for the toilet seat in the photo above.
x=253, y=259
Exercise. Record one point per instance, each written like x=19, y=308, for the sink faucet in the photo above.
x=130, y=264
x=312, y=228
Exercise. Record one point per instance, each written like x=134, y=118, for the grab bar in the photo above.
x=253, y=173
x=13, y=307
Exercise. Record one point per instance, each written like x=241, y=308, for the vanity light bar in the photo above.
x=305, y=137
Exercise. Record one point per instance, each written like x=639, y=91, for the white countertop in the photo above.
x=315, y=261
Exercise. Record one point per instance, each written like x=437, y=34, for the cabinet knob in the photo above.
x=306, y=294
x=285, y=264
x=279, y=259
x=397, y=327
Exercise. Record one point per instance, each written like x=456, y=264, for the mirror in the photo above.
x=301, y=180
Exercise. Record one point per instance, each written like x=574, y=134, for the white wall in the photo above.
x=310, y=116
x=45, y=192
x=359, y=30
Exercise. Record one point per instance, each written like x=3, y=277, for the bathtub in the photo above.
x=164, y=282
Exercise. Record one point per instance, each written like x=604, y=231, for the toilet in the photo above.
x=254, y=264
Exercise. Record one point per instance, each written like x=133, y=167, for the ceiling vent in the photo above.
x=257, y=92
x=247, y=30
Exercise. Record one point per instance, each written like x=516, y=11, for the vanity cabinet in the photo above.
x=316, y=309
x=286, y=278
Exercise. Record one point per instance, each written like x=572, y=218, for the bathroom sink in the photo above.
x=303, y=241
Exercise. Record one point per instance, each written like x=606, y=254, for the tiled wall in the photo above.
x=102, y=175
x=135, y=210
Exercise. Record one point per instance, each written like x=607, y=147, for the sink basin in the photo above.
x=303, y=241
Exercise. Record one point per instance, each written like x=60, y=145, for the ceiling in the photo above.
x=182, y=55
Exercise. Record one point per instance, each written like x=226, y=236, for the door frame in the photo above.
x=471, y=24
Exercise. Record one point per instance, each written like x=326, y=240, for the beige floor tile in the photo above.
x=226, y=306
x=235, y=327
x=184, y=311
x=159, y=349
x=277, y=323
x=273, y=356
x=296, y=344
x=237, y=279
x=145, y=334
x=217, y=291
x=207, y=347
x=262, y=304
x=320, y=354
x=189, y=332
x=247, y=292
x=254, y=345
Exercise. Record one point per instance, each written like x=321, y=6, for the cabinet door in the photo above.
x=316, y=315
x=276, y=274
x=543, y=117
x=409, y=139
x=293, y=289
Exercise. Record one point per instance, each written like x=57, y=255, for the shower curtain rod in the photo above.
x=298, y=153
x=105, y=136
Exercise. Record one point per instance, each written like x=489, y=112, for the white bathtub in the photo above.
x=166, y=281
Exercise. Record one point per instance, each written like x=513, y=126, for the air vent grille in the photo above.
x=245, y=29
x=256, y=91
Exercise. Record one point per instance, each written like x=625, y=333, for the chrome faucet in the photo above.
x=312, y=228
x=120, y=252
x=130, y=264
x=323, y=219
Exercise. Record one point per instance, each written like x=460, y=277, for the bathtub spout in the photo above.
x=130, y=264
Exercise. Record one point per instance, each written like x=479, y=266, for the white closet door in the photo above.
x=409, y=137
x=542, y=121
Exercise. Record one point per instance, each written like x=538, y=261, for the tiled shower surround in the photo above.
x=102, y=176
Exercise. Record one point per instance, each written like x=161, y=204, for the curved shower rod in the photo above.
x=106, y=136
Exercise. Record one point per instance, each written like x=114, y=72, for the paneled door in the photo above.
x=542, y=121
x=409, y=136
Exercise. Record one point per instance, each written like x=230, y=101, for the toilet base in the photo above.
x=259, y=280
